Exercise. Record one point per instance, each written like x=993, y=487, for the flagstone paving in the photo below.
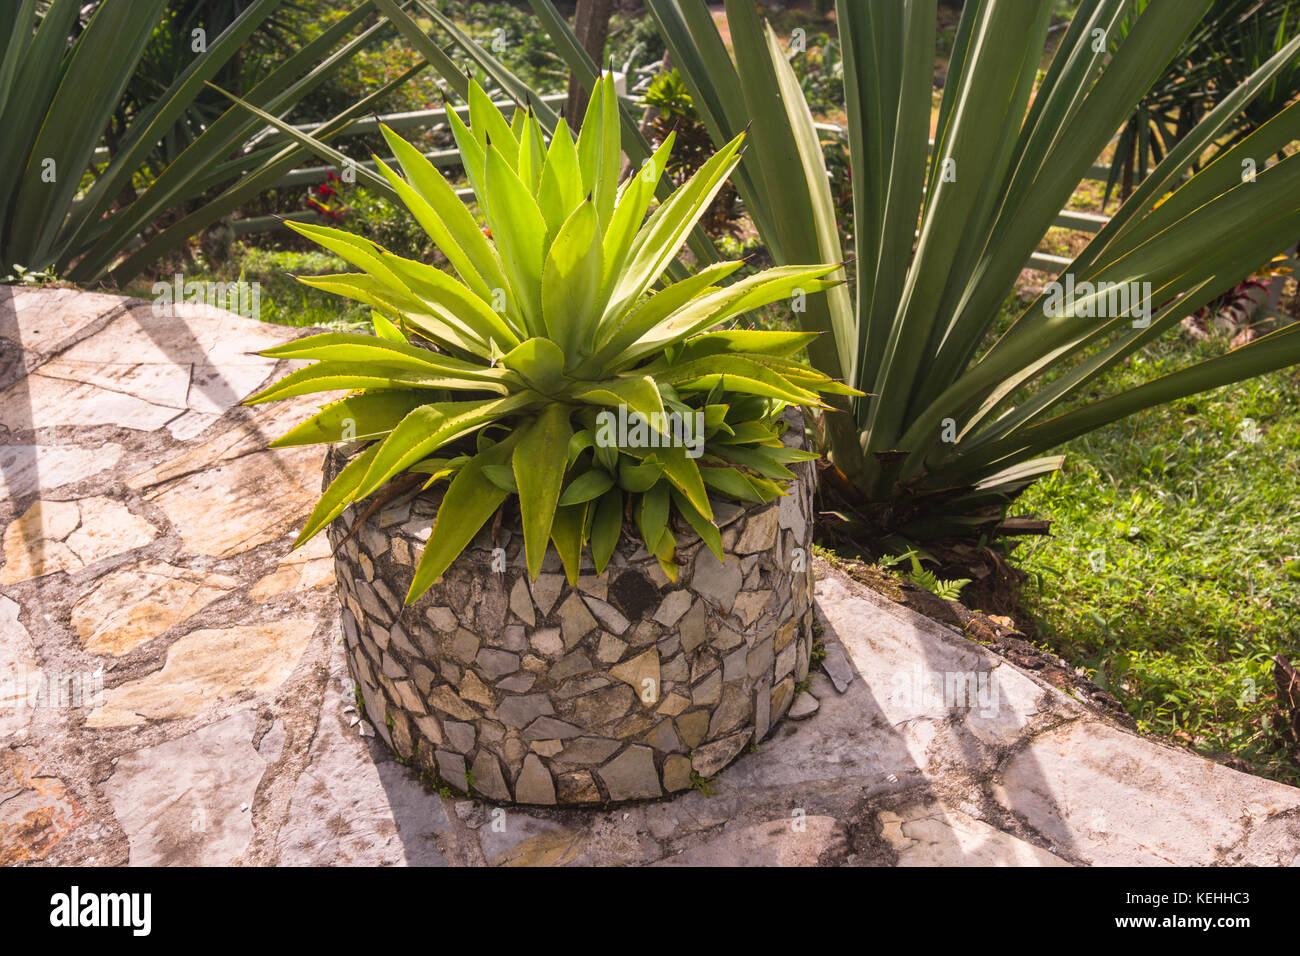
x=173, y=689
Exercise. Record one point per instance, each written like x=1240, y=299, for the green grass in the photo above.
x=283, y=300
x=1173, y=574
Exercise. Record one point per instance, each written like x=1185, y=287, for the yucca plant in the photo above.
x=509, y=381
x=1230, y=43
x=955, y=423
x=65, y=210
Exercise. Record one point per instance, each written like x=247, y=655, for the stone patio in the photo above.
x=173, y=691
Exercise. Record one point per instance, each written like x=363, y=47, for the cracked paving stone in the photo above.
x=206, y=667
x=139, y=602
x=181, y=802
x=69, y=535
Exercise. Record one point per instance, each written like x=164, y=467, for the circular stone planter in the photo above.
x=620, y=688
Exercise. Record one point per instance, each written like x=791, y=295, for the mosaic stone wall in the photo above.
x=617, y=689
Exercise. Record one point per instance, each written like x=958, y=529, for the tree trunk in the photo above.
x=591, y=25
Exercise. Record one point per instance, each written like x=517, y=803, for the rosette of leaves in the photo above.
x=494, y=382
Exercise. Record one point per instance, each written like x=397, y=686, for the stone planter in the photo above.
x=617, y=689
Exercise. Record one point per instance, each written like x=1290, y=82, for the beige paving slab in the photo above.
x=207, y=667
x=27, y=469
x=141, y=601
x=54, y=536
x=42, y=320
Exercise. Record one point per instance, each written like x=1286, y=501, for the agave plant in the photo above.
x=66, y=210
x=561, y=369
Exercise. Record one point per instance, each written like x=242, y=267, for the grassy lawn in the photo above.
x=1173, y=575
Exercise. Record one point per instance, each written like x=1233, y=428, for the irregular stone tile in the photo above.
x=837, y=667
x=441, y=618
x=496, y=663
x=578, y=786
x=569, y=666
x=708, y=690
x=354, y=805
x=36, y=810
x=190, y=424
x=185, y=802
x=805, y=841
x=521, y=603
x=610, y=649
x=519, y=712
x=264, y=424
x=750, y=604
x=46, y=320
x=459, y=736
x=712, y=757
x=139, y=602
x=673, y=705
x=942, y=836
x=715, y=580
x=588, y=750
x=663, y=737
x=693, y=727
x=677, y=773
x=763, y=708
x=20, y=673
x=548, y=642
x=517, y=683
x=207, y=336
x=792, y=515
x=546, y=590
x=575, y=620
x=244, y=502
x=56, y=536
x=1112, y=798
x=488, y=779
x=760, y=532
x=597, y=585
x=464, y=646
x=641, y=673
x=673, y=607
x=475, y=691
x=528, y=841
x=607, y=614
x=693, y=628
x=805, y=705
x=28, y=469
x=602, y=706
x=206, y=667
x=44, y=401
x=548, y=728
x=166, y=385
x=733, y=709
x=534, y=784
x=452, y=769
x=631, y=775
x=445, y=699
